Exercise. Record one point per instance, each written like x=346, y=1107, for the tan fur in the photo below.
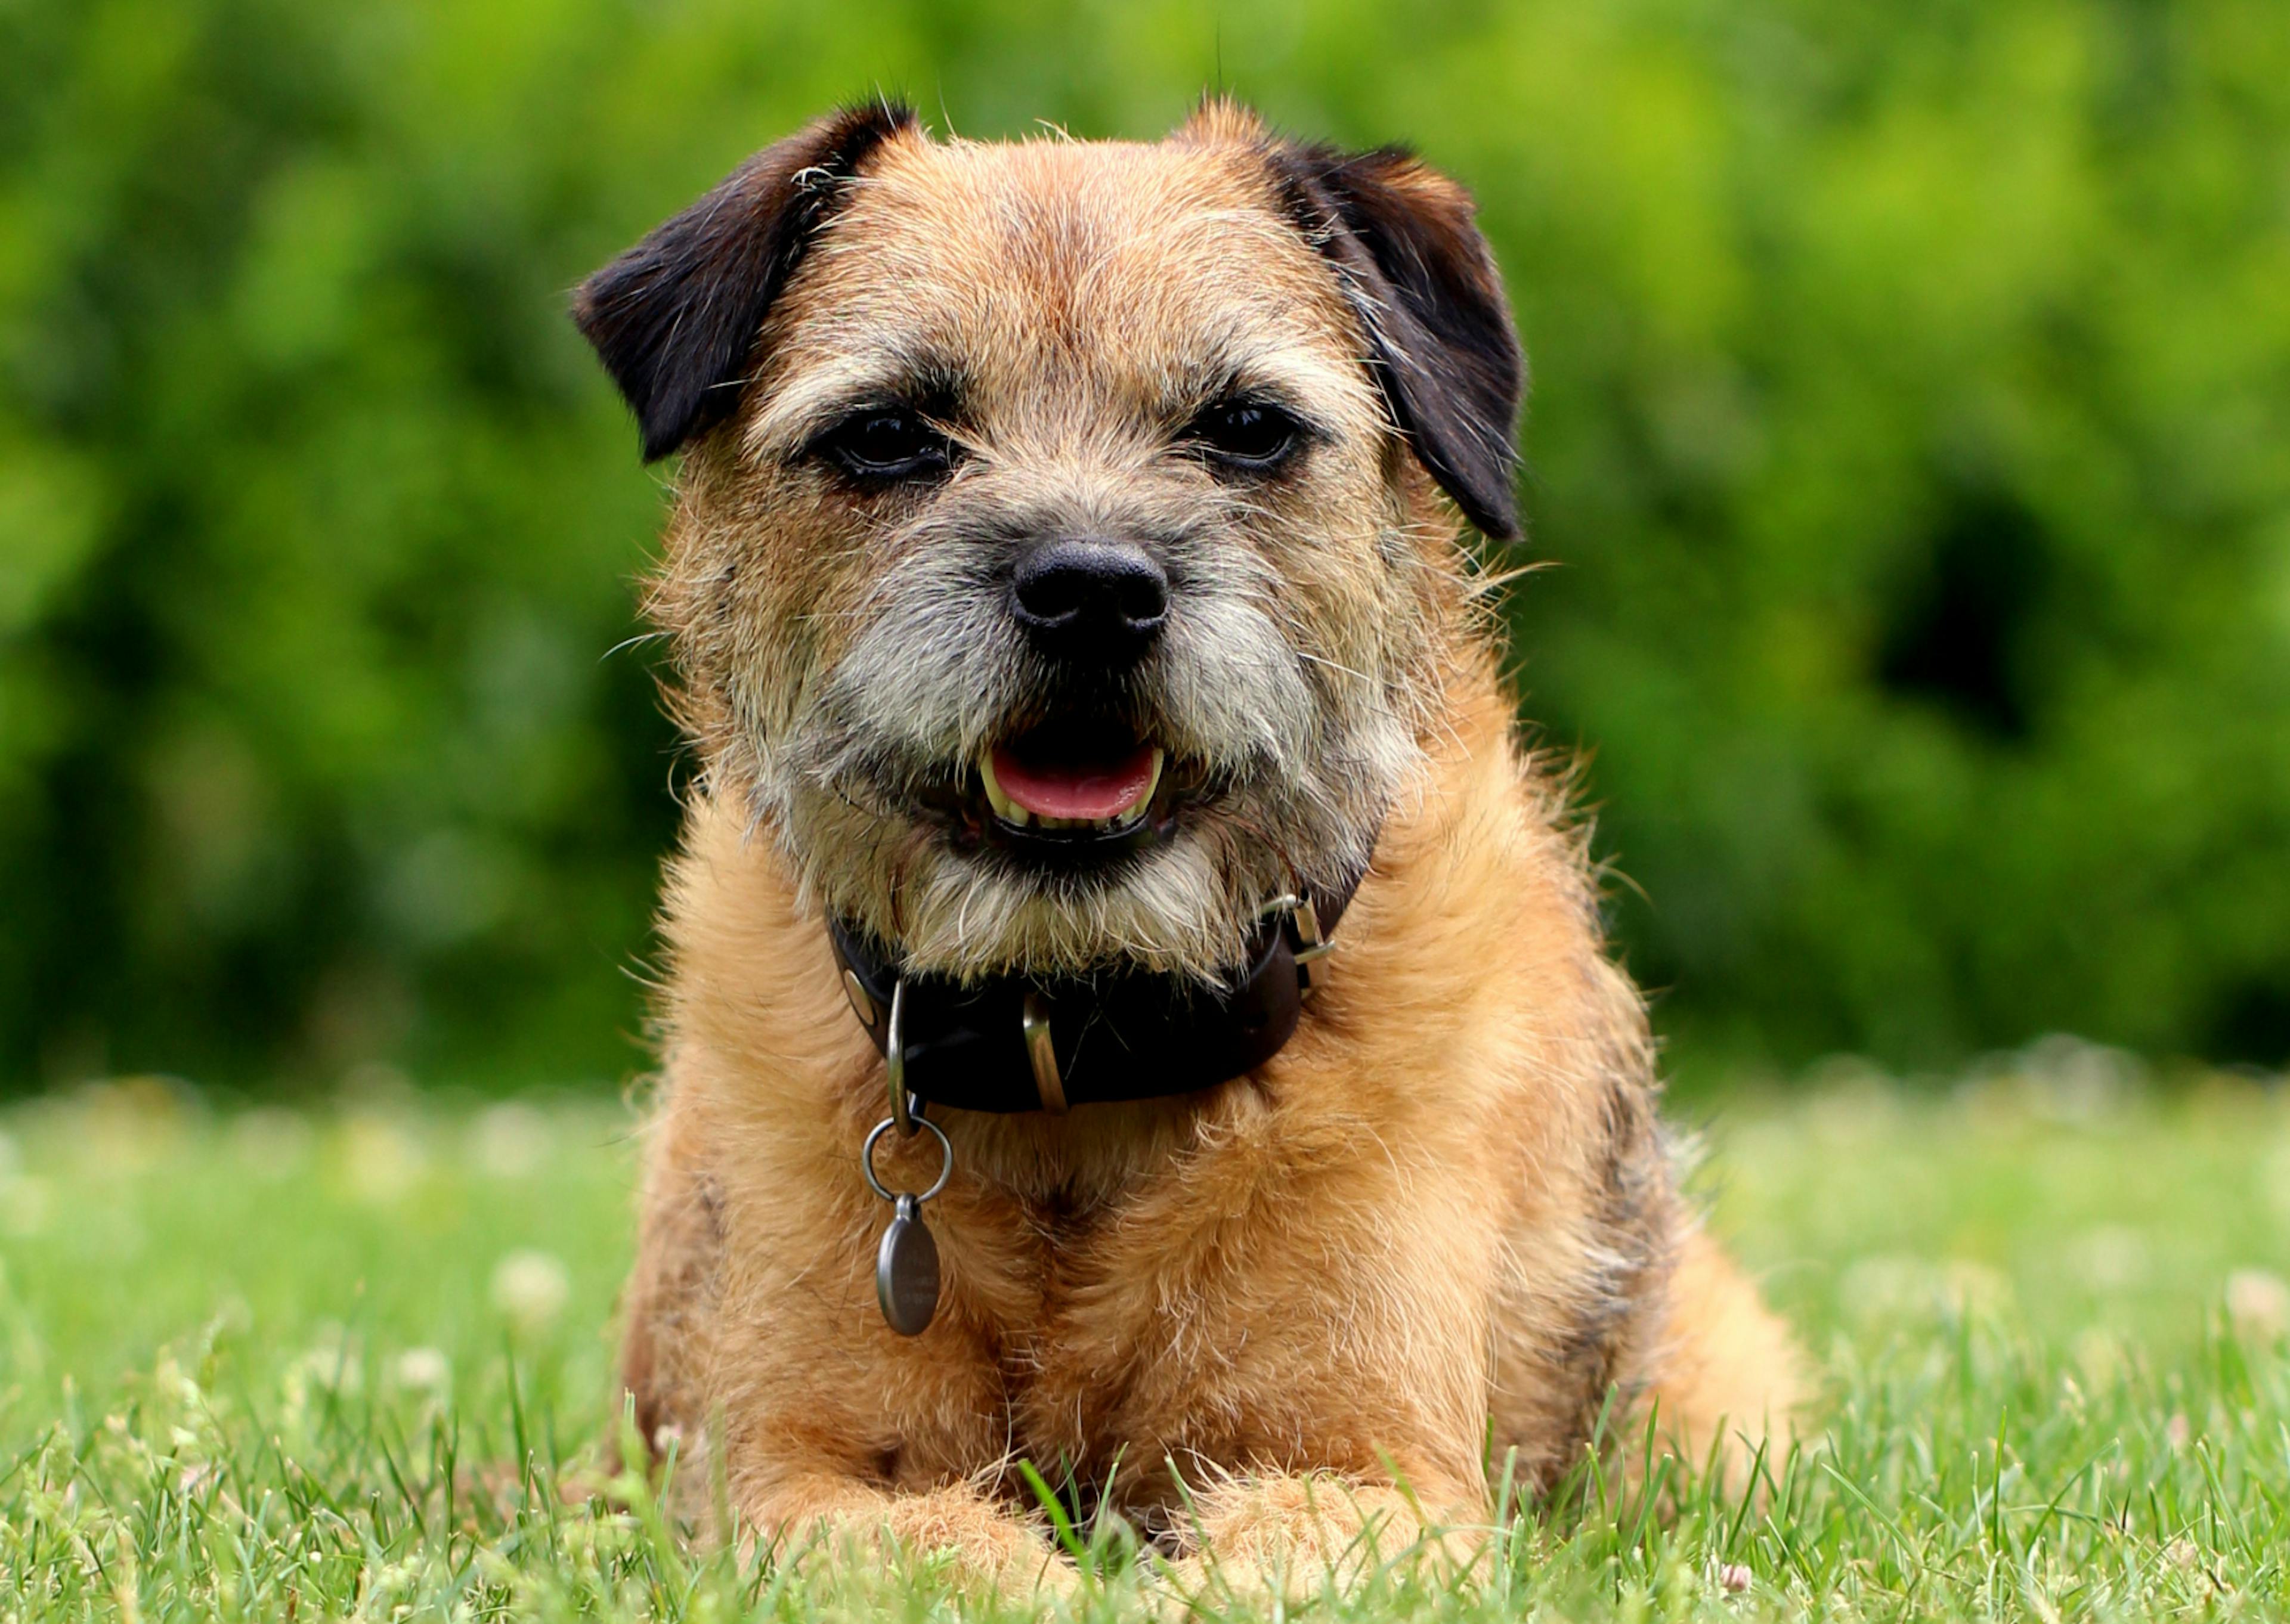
x=1444, y=1215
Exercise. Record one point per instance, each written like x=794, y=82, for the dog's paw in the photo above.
x=951, y=1537
x=1295, y=1539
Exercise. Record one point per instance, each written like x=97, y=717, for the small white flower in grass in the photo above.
x=2258, y=1303
x=273, y=1144
x=2069, y=1080
x=128, y=1125
x=1976, y=1289
x=380, y=1158
x=1853, y=1104
x=2112, y=1258
x=509, y=1141
x=1734, y=1577
x=1886, y=1287
x=333, y=1364
x=27, y=1204
x=422, y=1370
x=2101, y=1357
x=530, y=1289
x=391, y=1581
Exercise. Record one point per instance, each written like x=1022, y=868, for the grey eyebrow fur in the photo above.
x=932, y=389
x=935, y=387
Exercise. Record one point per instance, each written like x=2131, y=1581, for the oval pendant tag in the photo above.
x=905, y=1271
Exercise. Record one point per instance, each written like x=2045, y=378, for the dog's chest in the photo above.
x=1076, y=1320
x=1103, y=1314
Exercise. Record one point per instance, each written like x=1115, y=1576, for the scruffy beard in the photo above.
x=1189, y=907
x=1297, y=761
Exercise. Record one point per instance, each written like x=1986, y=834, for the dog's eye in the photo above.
x=888, y=442
x=1245, y=434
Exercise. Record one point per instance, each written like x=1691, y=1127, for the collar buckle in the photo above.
x=1049, y=1084
x=1308, y=944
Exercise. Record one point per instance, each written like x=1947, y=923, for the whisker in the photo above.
x=1333, y=665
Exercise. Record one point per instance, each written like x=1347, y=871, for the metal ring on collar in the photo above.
x=945, y=1170
x=904, y=1107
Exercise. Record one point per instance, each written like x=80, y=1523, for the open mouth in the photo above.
x=1071, y=784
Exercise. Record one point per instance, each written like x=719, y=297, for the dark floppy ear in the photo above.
x=674, y=318
x=1404, y=241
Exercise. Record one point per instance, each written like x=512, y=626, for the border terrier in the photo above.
x=1136, y=1006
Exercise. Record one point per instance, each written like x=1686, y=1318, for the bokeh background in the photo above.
x=1910, y=447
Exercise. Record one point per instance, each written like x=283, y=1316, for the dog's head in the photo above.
x=1057, y=570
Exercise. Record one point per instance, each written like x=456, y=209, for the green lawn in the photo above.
x=300, y=1365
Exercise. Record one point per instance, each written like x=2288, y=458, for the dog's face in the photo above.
x=1056, y=570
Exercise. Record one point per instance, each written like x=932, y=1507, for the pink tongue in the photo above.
x=1097, y=790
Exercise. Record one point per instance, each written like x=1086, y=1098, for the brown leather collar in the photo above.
x=1016, y=1043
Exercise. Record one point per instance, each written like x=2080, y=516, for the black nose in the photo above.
x=1093, y=602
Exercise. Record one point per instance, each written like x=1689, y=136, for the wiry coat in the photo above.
x=1445, y=1214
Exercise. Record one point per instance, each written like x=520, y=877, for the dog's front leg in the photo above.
x=728, y=1354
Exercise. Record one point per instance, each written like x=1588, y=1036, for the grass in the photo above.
x=350, y=1362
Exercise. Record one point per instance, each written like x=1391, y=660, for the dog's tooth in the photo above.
x=1005, y=808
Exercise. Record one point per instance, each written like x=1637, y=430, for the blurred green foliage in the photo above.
x=1913, y=434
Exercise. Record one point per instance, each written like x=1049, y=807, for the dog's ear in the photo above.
x=1411, y=258
x=675, y=318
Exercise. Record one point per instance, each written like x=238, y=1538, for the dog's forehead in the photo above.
x=1127, y=272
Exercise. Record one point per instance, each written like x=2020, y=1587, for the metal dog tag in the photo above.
x=906, y=1264
x=906, y=1270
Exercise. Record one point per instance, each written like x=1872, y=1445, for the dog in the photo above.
x=1133, y=1004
